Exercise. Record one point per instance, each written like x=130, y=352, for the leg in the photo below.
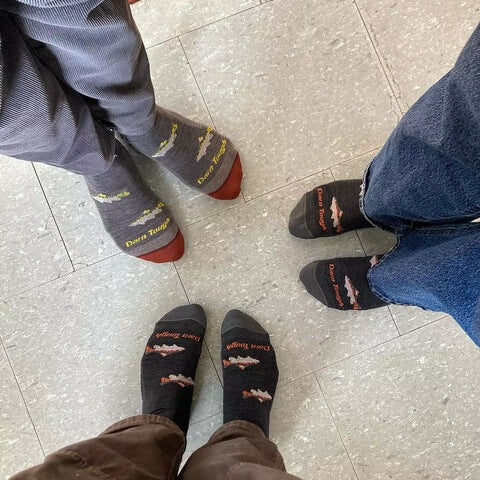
x=429, y=170
x=238, y=451
x=435, y=268
x=146, y=447
x=241, y=450
x=75, y=40
x=49, y=123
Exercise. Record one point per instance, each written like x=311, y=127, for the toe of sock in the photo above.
x=231, y=187
x=190, y=312
x=297, y=224
x=170, y=253
x=309, y=279
x=238, y=319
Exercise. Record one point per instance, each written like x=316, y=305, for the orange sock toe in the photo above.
x=231, y=188
x=171, y=252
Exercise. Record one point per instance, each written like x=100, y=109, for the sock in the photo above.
x=342, y=283
x=137, y=220
x=169, y=364
x=328, y=210
x=250, y=370
x=196, y=154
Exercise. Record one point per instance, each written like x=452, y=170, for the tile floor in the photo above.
x=308, y=91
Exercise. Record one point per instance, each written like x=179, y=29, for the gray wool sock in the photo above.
x=132, y=214
x=195, y=153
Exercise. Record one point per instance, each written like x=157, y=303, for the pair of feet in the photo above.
x=171, y=357
x=138, y=221
x=326, y=211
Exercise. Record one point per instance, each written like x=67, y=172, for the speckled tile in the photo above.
x=158, y=23
x=76, y=343
x=408, y=409
x=74, y=210
x=296, y=89
x=307, y=437
x=19, y=446
x=245, y=258
x=31, y=249
x=419, y=41
x=411, y=318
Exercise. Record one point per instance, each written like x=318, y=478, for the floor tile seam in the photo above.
x=340, y=436
x=213, y=22
x=22, y=396
x=397, y=337
x=443, y=317
x=387, y=71
x=53, y=216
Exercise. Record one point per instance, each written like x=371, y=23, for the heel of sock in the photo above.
x=231, y=187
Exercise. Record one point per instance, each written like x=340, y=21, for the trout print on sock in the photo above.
x=138, y=222
x=241, y=362
x=250, y=372
x=342, y=283
x=328, y=210
x=198, y=155
x=168, y=370
x=164, y=350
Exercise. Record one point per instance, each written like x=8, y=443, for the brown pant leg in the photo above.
x=137, y=448
x=237, y=451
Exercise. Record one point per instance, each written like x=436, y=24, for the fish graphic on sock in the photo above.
x=337, y=214
x=179, y=380
x=164, y=350
x=352, y=293
x=204, y=143
x=148, y=214
x=104, y=198
x=258, y=395
x=167, y=145
x=241, y=362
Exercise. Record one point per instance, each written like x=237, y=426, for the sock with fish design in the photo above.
x=250, y=372
x=170, y=362
x=198, y=155
x=138, y=221
x=342, y=283
x=328, y=210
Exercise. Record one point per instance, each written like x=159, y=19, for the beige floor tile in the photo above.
x=160, y=22
x=76, y=343
x=419, y=41
x=19, y=446
x=295, y=88
x=407, y=410
x=31, y=249
x=245, y=258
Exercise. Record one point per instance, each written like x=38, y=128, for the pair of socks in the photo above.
x=170, y=361
x=138, y=221
x=325, y=211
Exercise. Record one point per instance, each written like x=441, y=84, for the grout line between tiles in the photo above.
x=53, y=216
x=181, y=282
x=336, y=427
x=203, y=26
x=383, y=65
x=23, y=398
x=196, y=82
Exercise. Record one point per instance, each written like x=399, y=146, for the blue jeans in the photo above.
x=424, y=186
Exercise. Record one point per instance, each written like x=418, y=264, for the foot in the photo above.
x=170, y=362
x=328, y=210
x=196, y=154
x=250, y=370
x=137, y=220
x=342, y=283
